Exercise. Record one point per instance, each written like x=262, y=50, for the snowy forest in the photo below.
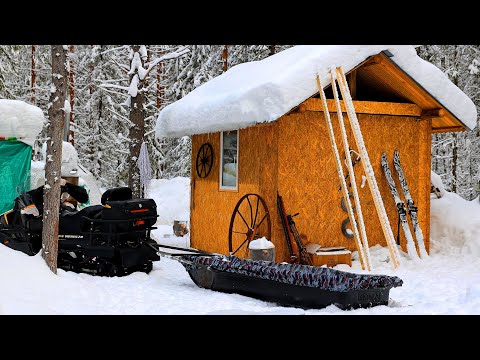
x=99, y=89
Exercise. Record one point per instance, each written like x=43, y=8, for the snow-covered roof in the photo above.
x=262, y=91
x=21, y=120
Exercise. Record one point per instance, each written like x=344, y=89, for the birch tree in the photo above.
x=51, y=193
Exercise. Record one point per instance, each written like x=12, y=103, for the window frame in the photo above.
x=222, y=187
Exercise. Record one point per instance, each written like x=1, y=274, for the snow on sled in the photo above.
x=111, y=239
x=286, y=284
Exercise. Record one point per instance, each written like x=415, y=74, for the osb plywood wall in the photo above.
x=293, y=155
x=308, y=180
x=212, y=208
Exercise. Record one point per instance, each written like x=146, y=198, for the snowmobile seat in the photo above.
x=73, y=222
x=117, y=194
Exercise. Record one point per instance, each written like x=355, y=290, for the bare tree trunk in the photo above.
x=136, y=132
x=272, y=49
x=160, y=75
x=225, y=57
x=51, y=192
x=71, y=86
x=455, y=80
x=34, y=76
x=92, y=69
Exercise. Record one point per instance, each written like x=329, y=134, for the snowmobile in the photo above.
x=112, y=239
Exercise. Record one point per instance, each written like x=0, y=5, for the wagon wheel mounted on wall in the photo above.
x=204, y=161
x=250, y=220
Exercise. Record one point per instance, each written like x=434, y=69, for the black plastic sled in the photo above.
x=112, y=239
x=303, y=286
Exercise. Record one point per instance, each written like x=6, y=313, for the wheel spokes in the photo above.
x=245, y=221
x=264, y=217
x=240, y=238
x=204, y=161
x=256, y=211
x=238, y=248
x=251, y=212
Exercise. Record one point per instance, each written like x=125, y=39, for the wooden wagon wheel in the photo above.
x=204, y=161
x=250, y=220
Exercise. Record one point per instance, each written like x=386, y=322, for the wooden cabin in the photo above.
x=293, y=156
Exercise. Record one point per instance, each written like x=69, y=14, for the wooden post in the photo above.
x=372, y=182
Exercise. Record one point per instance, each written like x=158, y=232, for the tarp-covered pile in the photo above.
x=20, y=124
x=15, y=161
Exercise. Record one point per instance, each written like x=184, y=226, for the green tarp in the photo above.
x=15, y=164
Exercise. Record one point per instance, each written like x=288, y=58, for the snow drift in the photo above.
x=455, y=223
x=263, y=91
x=172, y=198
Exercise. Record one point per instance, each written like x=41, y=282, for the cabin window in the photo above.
x=229, y=160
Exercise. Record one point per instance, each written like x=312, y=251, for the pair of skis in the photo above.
x=402, y=210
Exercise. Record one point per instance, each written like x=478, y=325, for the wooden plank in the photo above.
x=364, y=107
x=372, y=182
x=341, y=178
x=353, y=181
x=447, y=129
x=433, y=113
x=424, y=178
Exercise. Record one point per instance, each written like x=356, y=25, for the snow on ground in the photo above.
x=21, y=120
x=262, y=91
x=448, y=282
